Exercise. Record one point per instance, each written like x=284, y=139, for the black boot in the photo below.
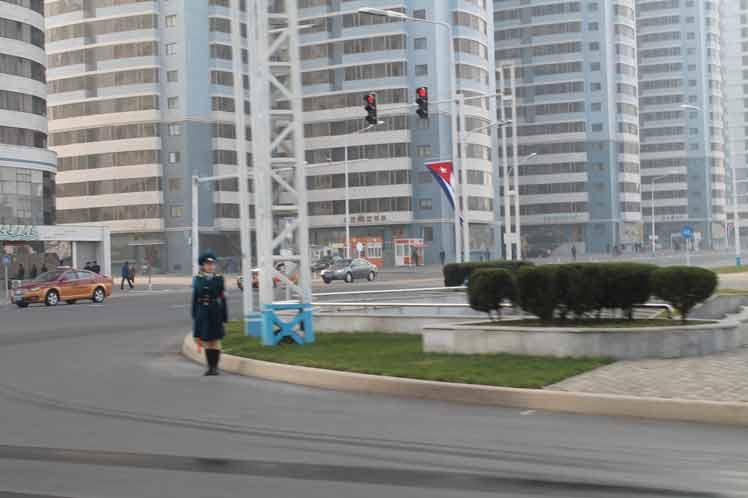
x=211, y=356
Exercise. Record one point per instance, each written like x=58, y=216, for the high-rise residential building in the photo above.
x=735, y=68
x=681, y=119
x=141, y=99
x=27, y=168
x=577, y=109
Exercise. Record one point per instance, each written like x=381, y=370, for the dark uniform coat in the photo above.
x=209, y=311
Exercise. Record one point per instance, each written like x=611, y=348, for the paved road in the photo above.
x=96, y=402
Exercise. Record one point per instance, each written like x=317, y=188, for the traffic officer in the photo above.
x=209, y=311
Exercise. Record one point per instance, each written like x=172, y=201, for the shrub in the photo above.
x=626, y=285
x=488, y=288
x=684, y=287
x=456, y=274
x=538, y=291
x=579, y=287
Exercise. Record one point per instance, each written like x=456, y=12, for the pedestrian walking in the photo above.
x=442, y=256
x=34, y=272
x=125, y=276
x=21, y=274
x=573, y=252
x=133, y=268
x=96, y=267
x=43, y=269
x=88, y=266
x=209, y=311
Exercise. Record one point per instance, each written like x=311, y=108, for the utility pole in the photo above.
x=279, y=167
x=240, y=122
x=505, y=172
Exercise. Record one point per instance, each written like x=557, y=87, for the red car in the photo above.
x=67, y=285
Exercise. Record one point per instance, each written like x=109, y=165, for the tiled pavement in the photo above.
x=722, y=377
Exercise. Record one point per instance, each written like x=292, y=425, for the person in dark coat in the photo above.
x=96, y=267
x=209, y=311
x=44, y=268
x=21, y=272
x=125, y=276
x=34, y=272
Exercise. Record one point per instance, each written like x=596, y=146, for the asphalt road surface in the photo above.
x=96, y=402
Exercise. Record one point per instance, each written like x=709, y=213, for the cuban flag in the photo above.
x=443, y=171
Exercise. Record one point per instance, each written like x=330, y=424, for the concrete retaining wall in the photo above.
x=623, y=344
x=390, y=323
x=718, y=307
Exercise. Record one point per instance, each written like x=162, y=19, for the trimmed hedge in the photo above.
x=684, y=287
x=456, y=274
x=488, y=287
x=538, y=290
x=579, y=289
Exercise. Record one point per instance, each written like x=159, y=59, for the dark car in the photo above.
x=350, y=270
x=324, y=263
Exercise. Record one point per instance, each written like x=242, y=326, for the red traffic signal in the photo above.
x=422, y=100
x=371, y=108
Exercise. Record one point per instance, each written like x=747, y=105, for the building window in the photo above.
x=171, y=21
x=423, y=151
x=172, y=76
x=422, y=69
x=425, y=204
x=597, y=127
x=428, y=234
x=596, y=87
x=173, y=157
x=175, y=130
x=173, y=102
x=419, y=13
x=593, y=26
x=171, y=49
x=175, y=184
x=596, y=107
x=176, y=211
x=420, y=43
x=595, y=66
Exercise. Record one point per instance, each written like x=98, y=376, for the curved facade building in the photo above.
x=683, y=149
x=577, y=109
x=105, y=119
x=27, y=168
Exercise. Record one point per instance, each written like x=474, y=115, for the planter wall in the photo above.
x=624, y=344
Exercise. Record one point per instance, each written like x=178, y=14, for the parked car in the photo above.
x=324, y=263
x=349, y=270
x=63, y=285
x=293, y=275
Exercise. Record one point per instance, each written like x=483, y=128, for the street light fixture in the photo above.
x=385, y=13
x=456, y=162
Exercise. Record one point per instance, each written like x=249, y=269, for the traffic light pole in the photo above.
x=463, y=181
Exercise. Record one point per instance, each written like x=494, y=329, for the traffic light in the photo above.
x=371, y=108
x=422, y=100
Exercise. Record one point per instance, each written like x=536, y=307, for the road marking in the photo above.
x=527, y=412
x=179, y=306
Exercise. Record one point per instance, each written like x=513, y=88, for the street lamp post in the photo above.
x=347, y=195
x=456, y=165
x=708, y=221
x=653, y=235
x=518, y=221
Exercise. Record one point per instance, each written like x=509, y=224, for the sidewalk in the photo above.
x=722, y=377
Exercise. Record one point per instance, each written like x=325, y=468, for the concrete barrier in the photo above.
x=719, y=306
x=533, y=399
x=619, y=343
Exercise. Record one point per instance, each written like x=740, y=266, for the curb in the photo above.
x=680, y=410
